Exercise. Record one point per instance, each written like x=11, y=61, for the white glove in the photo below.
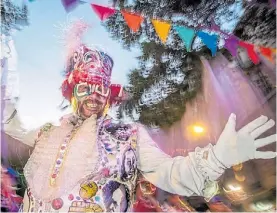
x=234, y=147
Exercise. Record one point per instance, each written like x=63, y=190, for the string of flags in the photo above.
x=187, y=35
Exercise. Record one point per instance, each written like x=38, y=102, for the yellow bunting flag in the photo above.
x=133, y=20
x=162, y=29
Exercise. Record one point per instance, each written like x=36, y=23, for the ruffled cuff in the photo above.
x=210, y=168
x=208, y=164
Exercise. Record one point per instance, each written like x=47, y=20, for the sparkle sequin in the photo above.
x=70, y=197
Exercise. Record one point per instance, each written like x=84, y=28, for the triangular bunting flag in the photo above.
x=267, y=52
x=250, y=50
x=231, y=44
x=103, y=12
x=214, y=26
x=70, y=4
x=162, y=29
x=186, y=34
x=209, y=40
x=133, y=20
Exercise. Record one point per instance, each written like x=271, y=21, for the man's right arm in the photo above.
x=10, y=121
x=12, y=125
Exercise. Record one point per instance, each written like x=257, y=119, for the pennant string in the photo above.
x=187, y=35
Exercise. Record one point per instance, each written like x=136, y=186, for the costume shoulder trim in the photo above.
x=44, y=129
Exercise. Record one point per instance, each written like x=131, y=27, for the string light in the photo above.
x=198, y=129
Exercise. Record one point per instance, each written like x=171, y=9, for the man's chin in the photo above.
x=88, y=115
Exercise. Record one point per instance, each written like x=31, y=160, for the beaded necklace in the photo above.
x=60, y=159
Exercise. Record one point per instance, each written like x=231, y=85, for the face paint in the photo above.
x=83, y=89
x=91, y=98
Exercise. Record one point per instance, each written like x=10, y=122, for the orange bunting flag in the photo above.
x=133, y=20
x=162, y=29
x=102, y=12
x=266, y=52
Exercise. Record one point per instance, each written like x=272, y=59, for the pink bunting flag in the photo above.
x=103, y=12
x=231, y=44
x=250, y=50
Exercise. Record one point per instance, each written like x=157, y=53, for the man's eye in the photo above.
x=103, y=90
x=83, y=89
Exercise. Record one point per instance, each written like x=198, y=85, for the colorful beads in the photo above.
x=61, y=155
x=97, y=198
x=71, y=197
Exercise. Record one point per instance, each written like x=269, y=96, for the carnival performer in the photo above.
x=90, y=162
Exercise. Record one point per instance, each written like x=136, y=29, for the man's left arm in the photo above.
x=199, y=171
x=185, y=176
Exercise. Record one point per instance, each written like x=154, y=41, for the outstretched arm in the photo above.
x=12, y=125
x=10, y=121
x=184, y=176
x=199, y=171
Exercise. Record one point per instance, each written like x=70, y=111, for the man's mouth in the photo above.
x=91, y=106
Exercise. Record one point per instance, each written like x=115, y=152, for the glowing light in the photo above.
x=198, y=129
x=232, y=188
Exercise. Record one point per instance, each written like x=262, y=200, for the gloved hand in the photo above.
x=234, y=147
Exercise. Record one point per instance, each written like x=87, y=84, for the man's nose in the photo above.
x=94, y=95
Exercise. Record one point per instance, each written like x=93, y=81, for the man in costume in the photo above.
x=90, y=163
